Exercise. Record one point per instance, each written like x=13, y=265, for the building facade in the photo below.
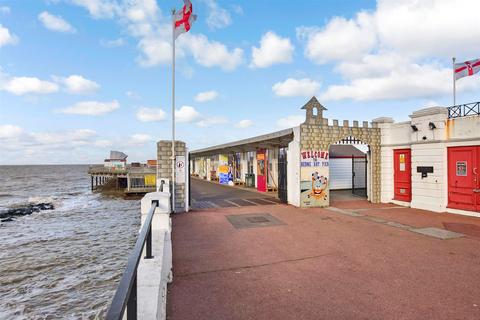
x=431, y=162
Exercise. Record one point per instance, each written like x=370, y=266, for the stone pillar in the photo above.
x=386, y=157
x=164, y=154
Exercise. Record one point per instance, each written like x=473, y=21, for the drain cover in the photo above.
x=256, y=220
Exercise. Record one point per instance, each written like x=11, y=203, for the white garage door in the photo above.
x=340, y=173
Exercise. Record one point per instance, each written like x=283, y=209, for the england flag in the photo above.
x=467, y=68
x=183, y=19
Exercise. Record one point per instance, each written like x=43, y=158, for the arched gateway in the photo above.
x=316, y=137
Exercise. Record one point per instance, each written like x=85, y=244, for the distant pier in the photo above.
x=129, y=179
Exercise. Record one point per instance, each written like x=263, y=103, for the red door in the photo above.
x=402, y=175
x=463, y=178
x=261, y=170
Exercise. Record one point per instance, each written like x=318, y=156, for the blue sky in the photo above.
x=81, y=77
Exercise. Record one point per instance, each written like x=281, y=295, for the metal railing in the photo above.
x=126, y=294
x=463, y=110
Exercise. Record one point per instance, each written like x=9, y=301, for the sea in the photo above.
x=65, y=262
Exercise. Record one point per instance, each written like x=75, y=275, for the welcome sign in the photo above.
x=314, y=174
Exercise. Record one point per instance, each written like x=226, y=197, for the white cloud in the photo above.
x=25, y=85
x=150, y=114
x=379, y=77
x=102, y=143
x=77, y=137
x=210, y=121
x=296, y=87
x=55, y=23
x=187, y=114
x=6, y=37
x=91, y=108
x=409, y=27
x=209, y=53
x=154, y=52
x=429, y=27
x=98, y=8
x=78, y=84
x=273, y=49
x=242, y=124
x=206, y=96
x=8, y=131
x=143, y=20
x=5, y=10
x=217, y=17
x=394, y=52
x=139, y=139
x=290, y=121
x=119, y=42
x=340, y=39
x=133, y=95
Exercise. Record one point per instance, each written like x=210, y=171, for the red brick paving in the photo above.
x=321, y=265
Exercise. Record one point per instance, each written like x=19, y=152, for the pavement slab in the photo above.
x=438, y=233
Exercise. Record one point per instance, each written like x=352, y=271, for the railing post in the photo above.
x=132, y=301
x=149, y=243
x=149, y=234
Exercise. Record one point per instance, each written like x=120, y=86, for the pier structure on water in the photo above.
x=116, y=174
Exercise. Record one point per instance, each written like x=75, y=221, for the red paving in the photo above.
x=322, y=265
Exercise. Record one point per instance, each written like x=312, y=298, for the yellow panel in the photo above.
x=150, y=179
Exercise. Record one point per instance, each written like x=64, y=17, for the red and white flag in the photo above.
x=183, y=19
x=467, y=68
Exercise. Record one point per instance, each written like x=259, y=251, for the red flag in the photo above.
x=184, y=19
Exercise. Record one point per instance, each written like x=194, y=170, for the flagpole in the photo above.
x=173, y=110
x=454, y=83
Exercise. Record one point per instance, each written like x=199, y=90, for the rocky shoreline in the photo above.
x=24, y=210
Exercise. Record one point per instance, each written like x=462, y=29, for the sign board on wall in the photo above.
x=180, y=168
x=402, y=161
x=314, y=174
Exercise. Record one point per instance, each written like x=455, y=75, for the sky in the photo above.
x=79, y=78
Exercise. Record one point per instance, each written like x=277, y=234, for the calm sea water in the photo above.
x=63, y=263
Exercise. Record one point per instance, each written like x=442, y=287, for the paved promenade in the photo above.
x=206, y=194
x=354, y=260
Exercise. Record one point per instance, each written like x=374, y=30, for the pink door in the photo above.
x=261, y=170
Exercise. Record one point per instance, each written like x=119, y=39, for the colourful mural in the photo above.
x=314, y=173
x=223, y=169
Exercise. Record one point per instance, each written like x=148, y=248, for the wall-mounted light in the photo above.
x=432, y=125
x=414, y=128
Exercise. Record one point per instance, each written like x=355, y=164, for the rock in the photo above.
x=26, y=210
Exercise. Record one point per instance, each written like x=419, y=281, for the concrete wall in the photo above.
x=154, y=274
x=429, y=148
